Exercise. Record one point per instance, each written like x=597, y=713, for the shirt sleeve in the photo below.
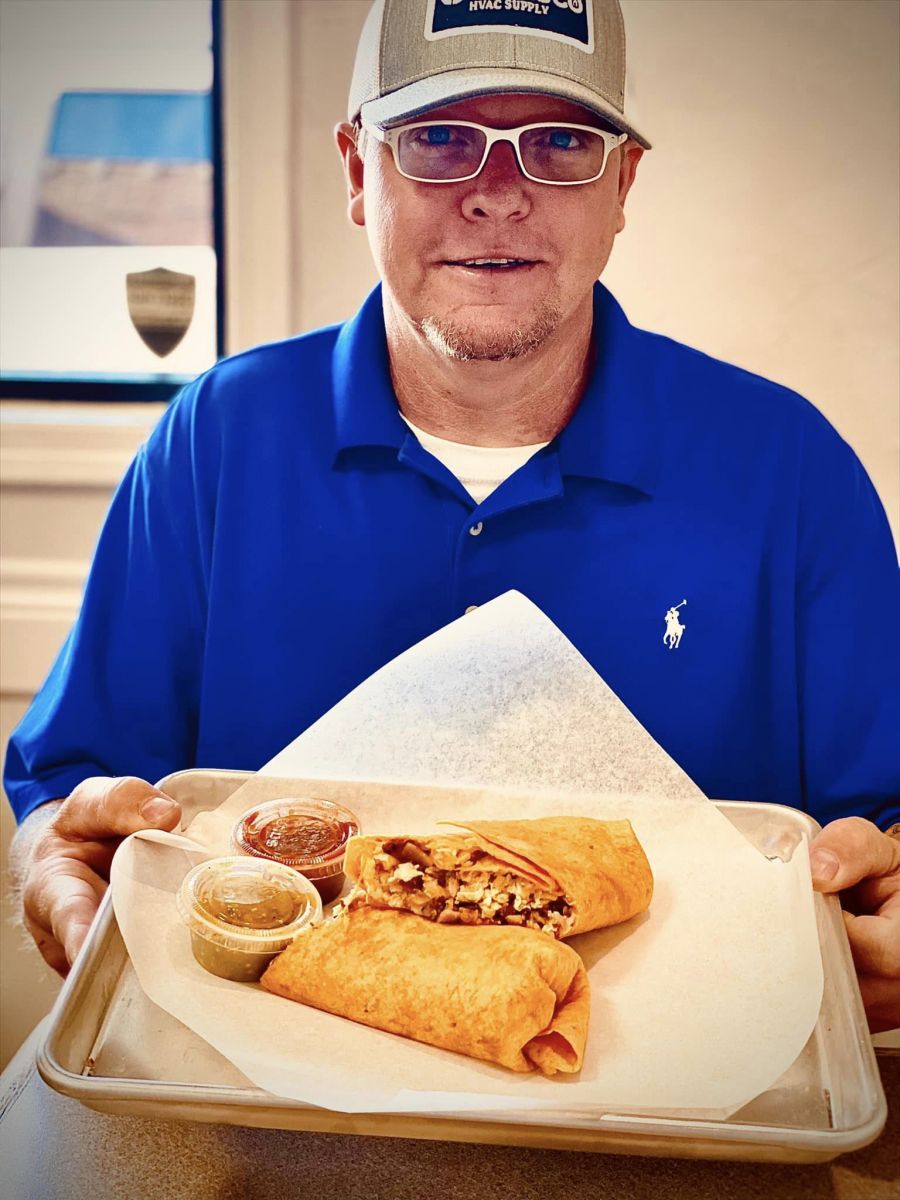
x=848, y=638
x=122, y=697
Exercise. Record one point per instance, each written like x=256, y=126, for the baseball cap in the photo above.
x=414, y=55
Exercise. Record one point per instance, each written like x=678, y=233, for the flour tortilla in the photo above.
x=600, y=866
x=514, y=997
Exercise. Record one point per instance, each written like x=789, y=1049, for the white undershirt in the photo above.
x=480, y=469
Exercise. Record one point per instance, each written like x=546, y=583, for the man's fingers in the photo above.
x=73, y=911
x=103, y=808
x=50, y=949
x=881, y=998
x=64, y=883
x=849, y=850
x=871, y=895
x=875, y=943
x=64, y=902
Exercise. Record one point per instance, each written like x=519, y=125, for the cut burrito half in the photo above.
x=560, y=875
x=507, y=996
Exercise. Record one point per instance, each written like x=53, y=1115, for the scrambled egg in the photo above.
x=468, y=893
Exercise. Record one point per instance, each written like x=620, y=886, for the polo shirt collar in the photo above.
x=365, y=407
x=613, y=434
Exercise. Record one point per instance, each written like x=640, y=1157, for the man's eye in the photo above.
x=562, y=139
x=438, y=135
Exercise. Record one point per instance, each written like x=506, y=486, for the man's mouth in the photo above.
x=491, y=264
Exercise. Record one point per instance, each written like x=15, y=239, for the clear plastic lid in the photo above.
x=248, y=904
x=310, y=835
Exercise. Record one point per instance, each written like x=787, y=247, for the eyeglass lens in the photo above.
x=557, y=154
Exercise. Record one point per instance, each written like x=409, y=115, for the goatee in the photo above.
x=470, y=343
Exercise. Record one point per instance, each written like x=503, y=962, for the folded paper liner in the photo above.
x=697, y=1006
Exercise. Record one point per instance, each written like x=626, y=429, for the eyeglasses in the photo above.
x=452, y=151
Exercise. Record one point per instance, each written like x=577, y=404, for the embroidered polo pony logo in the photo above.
x=674, y=627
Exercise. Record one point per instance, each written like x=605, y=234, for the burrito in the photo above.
x=508, y=996
x=559, y=875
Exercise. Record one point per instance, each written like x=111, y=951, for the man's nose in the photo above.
x=500, y=190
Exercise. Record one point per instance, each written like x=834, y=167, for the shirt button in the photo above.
x=471, y=608
x=477, y=528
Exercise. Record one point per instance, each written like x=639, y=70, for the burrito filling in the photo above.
x=460, y=887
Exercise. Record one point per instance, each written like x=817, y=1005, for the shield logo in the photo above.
x=161, y=307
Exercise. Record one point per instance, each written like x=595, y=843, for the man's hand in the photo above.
x=62, y=854
x=853, y=856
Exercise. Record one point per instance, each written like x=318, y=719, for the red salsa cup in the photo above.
x=309, y=835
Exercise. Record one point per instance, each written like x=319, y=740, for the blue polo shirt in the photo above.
x=283, y=534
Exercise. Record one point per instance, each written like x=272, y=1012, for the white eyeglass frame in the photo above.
x=390, y=136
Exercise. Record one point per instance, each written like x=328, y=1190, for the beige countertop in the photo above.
x=53, y=1147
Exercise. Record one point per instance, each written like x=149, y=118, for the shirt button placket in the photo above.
x=474, y=531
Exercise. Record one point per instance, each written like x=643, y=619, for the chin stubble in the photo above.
x=471, y=343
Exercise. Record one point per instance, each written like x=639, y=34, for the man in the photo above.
x=308, y=510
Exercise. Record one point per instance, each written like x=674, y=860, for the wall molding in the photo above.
x=39, y=600
x=51, y=444
x=35, y=584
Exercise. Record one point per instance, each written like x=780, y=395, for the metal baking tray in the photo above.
x=112, y=1049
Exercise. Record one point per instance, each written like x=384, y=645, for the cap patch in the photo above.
x=562, y=20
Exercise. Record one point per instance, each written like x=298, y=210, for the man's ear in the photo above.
x=345, y=136
x=629, y=156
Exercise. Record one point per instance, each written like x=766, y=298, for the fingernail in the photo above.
x=157, y=809
x=74, y=941
x=824, y=864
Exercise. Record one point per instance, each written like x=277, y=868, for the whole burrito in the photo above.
x=508, y=996
x=561, y=875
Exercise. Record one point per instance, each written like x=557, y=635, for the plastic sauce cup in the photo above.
x=241, y=912
x=309, y=835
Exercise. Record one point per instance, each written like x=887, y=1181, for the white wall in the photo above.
x=764, y=227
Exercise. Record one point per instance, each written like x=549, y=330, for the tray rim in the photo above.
x=93, y=1090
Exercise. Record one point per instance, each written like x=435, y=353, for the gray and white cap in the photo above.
x=416, y=54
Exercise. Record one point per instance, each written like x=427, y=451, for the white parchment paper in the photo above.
x=699, y=1005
